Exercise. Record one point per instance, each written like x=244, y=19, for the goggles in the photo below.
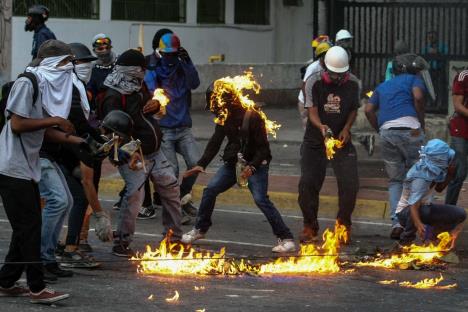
x=101, y=41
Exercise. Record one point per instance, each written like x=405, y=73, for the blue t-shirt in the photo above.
x=394, y=98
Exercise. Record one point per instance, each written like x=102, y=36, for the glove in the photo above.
x=103, y=226
x=123, y=157
x=184, y=56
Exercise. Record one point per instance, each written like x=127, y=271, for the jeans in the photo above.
x=58, y=201
x=23, y=209
x=162, y=175
x=223, y=180
x=400, y=150
x=441, y=218
x=313, y=170
x=460, y=145
x=78, y=211
x=181, y=141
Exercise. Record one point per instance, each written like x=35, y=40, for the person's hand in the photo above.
x=344, y=136
x=184, y=55
x=152, y=106
x=103, y=226
x=65, y=125
x=421, y=228
x=93, y=147
x=193, y=171
x=323, y=129
x=135, y=162
x=247, y=172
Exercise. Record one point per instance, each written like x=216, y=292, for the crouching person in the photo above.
x=246, y=133
x=127, y=93
x=415, y=211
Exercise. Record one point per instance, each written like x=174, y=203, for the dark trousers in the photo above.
x=460, y=145
x=22, y=204
x=223, y=180
x=313, y=170
x=442, y=218
x=78, y=211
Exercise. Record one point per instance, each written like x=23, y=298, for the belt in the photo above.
x=401, y=128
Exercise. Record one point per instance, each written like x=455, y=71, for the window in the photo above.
x=151, y=11
x=86, y=9
x=210, y=12
x=256, y=12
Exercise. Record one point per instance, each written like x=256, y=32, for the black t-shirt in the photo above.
x=334, y=102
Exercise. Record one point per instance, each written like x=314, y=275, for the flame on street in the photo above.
x=331, y=145
x=228, y=90
x=419, y=255
x=174, y=298
x=427, y=283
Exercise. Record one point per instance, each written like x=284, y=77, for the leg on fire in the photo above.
x=223, y=180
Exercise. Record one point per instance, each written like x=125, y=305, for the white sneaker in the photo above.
x=285, y=245
x=192, y=236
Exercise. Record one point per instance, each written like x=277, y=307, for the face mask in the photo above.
x=28, y=25
x=83, y=71
x=170, y=59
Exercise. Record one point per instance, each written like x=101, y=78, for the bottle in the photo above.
x=131, y=147
x=240, y=166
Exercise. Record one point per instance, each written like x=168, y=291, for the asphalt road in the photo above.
x=243, y=231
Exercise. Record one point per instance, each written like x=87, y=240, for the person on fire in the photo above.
x=248, y=145
x=127, y=92
x=416, y=213
x=332, y=100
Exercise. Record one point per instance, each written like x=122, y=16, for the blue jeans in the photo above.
x=442, y=218
x=460, y=145
x=58, y=201
x=223, y=180
x=181, y=141
x=160, y=171
x=400, y=150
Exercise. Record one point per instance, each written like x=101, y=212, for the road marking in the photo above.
x=246, y=289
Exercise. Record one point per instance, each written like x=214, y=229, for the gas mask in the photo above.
x=83, y=71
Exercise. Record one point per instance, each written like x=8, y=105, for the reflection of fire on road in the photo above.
x=174, y=298
x=427, y=283
x=419, y=255
x=331, y=144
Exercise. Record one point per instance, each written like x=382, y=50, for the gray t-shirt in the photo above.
x=17, y=161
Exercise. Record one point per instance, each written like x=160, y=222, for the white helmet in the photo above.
x=336, y=60
x=343, y=34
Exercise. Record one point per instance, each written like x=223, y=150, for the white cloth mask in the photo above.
x=83, y=71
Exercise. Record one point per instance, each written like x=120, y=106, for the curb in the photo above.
x=285, y=201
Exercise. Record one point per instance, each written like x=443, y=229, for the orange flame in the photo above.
x=331, y=145
x=369, y=94
x=232, y=89
x=413, y=254
x=427, y=283
x=160, y=96
x=174, y=298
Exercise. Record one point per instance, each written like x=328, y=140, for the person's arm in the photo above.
x=213, y=146
x=87, y=179
x=191, y=75
x=150, y=80
x=417, y=219
x=451, y=172
x=418, y=98
x=458, y=105
x=345, y=134
x=371, y=115
x=57, y=136
x=261, y=144
x=21, y=124
x=315, y=120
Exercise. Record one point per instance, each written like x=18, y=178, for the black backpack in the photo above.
x=6, y=88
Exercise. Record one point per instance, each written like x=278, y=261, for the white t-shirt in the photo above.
x=19, y=154
x=313, y=68
x=415, y=190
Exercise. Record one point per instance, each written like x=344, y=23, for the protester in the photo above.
x=125, y=83
x=332, y=100
x=344, y=39
x=459, y=135
x=316, y=67
x=37, y=16
x=401, y=47
x=400, y=123
x=177, y=76
x=20, y=169
x=415, y=210
x=246, y=133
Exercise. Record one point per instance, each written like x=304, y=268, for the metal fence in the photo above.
x=376, y=27
x=83, y=9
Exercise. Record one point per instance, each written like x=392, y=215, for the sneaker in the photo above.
x=192, y=236
x=78, y=260
x=48, y=276
x=14, y=291
x=116, y=206
x=186, y=220
x=396, y=232
x=85, y=247
x=284, y=245
x=369, y=142
x=308, y=236
x=56, y=270
x=146, y=213
x=60, y=249
x=123, y=251
x=47, y=295
x=189, y=209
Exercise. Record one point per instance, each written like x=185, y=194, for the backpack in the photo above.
x=99, y=100
x=6, y=89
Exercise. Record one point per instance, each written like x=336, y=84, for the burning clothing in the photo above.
x=257, y=149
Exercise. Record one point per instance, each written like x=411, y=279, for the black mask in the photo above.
x=28, y=26
x=170, y=59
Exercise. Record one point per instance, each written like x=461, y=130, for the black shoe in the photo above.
x=117, y=204
x=49, y=277
x=56, y=270
x=122, y=251
x=59, y=250
x=396, y=232
x=79, y=260
x=146, y=213
x=85, y=247
x=190, y=209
